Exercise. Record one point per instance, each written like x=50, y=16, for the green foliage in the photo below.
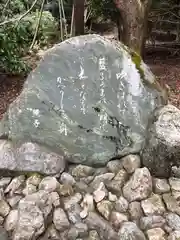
x=16, y=38
x=47, y=31
x=13, y=41
x=17, y=7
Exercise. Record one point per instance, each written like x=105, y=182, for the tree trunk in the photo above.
x=134, y=14
x=79, y=17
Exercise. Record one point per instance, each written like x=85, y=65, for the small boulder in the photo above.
x=102, y=226
x=129, y=230
x=135, y=210
x=116, y=219
x=29, y=157
x=104, y=208
x=162, y=147
x=160, y=185
x=172, y=204
x=121, y=205
x=11, y=220
x=173, y=220
x=156, y=234
x=174, y=184
x=15, y=184
x=139, y=186
x=153, y=205
x=4, y=208
x=100, y=193
x=66, y=178
x=49, y=184
x=4, y=181
x=55, y=199
x=131, y=163
x=175, y=235
x=152, y=222
x=30, y=222
x=114, y=165
x=60, y=220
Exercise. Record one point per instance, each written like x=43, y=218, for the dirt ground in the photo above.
x=10, y=87
x=167, y=70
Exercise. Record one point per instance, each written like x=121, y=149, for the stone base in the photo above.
x=121, y=199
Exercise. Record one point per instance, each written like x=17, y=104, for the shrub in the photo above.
x=16, y=38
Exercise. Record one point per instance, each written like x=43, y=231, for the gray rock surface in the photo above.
x=87, y=101
x=3, y=234
x=162, y=147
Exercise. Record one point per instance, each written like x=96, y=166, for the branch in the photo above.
x=163, y=13
x=22, y=16
x=60, y=19
x=87, y=15
x=38, y=24
x=72, y=22
x=168, y=21
x=64, y=17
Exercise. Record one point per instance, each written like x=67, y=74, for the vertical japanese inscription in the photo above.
x=82, y=92
x=103, y=70
x=63, y=126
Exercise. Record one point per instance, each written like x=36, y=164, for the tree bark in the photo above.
x=79, y=17
x=134, y=14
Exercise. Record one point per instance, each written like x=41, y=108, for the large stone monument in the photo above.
x=88, y=101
